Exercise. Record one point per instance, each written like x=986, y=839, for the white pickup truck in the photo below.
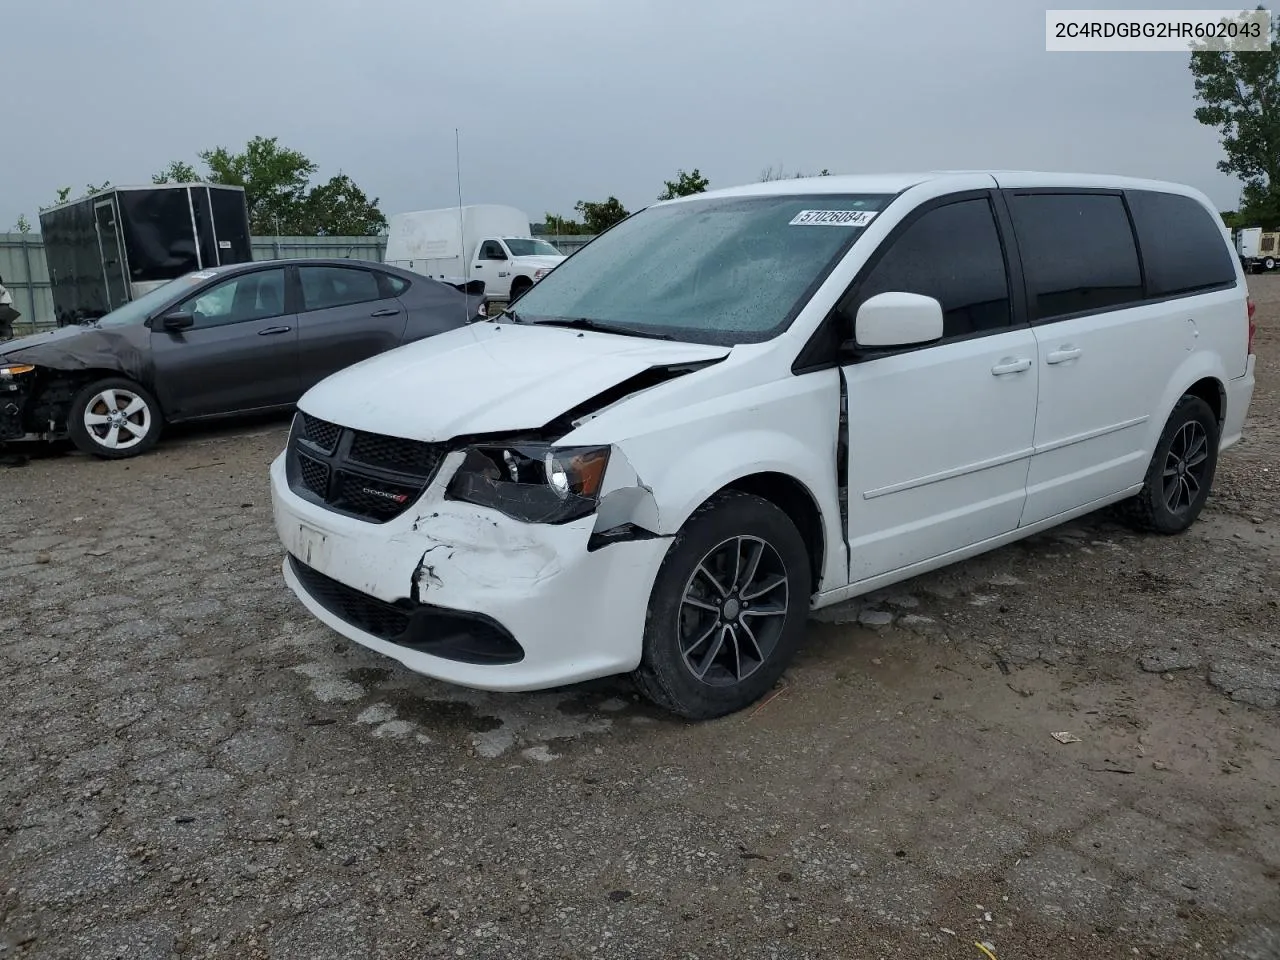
x=484, y=242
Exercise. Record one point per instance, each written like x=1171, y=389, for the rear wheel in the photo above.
x=1181, y=471
x=1269, y=263
x=113, y=419
x=728, y=608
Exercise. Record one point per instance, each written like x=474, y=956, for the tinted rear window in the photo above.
x=1183, y=249
x=1078, y=252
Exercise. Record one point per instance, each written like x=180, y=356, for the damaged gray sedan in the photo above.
x=243, y=339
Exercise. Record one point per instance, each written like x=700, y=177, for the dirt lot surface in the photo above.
x=193, y=768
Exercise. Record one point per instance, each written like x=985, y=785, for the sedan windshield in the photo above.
x=527, y=247
x=719, y=270
x=136, y=311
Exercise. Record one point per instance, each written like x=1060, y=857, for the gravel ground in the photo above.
x=193, y=768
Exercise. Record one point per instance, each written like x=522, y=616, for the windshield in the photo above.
x=136, y=311
x=528, y=247
x=723, y=271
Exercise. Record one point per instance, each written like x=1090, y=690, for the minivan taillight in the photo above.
x=1253, y=324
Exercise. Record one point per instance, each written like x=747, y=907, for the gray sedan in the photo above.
x=241, y=339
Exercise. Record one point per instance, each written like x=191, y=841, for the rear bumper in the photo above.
x=1239, y=396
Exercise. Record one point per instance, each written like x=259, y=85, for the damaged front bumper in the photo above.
x=468, y=595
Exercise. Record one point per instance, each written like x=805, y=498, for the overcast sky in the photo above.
x=563, y=100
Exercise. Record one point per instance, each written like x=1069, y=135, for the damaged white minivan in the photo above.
x=735, y=407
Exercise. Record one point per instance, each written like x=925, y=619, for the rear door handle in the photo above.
x=1062, y=355
x=270, y=330
x=390, y=312
x=1011, y=365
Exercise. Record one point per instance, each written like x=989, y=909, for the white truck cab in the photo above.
x=485, y=242
x=734, y=407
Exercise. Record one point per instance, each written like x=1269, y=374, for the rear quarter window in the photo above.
x=1183, y=249
x=1078, y=252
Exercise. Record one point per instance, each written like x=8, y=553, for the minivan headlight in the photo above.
x=532, y=482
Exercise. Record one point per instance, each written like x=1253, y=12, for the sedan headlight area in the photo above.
x=532, y=482
x=8, y=370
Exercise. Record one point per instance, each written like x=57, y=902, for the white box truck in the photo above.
x=485, y=242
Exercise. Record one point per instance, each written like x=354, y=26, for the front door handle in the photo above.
x=389, y=312
x=270, y=330
x=1062, y=355
x=1011, y=365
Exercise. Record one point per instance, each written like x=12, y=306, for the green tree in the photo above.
x=339, y=208
x=178, y=171
x=685, y=184
x=278, y=191
x=64, y=193
x=23, y=225
x=558, y=226
x=1239, y=95
x=599, y=217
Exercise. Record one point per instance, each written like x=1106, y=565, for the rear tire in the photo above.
x=728, y=608
x=113, y=419
x=1180, y=473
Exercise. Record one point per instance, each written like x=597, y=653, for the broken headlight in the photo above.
x=533, y=482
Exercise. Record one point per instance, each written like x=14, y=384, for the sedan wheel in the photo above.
x=114, y=419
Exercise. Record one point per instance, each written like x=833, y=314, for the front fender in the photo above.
x=680, y=465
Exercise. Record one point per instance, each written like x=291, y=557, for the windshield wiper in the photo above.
x=585, y=323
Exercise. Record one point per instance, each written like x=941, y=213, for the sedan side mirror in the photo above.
x=890, y=320
x=178, y=320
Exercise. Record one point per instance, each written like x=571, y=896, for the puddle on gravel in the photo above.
x=435, y=714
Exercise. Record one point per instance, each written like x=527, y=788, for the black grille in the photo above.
x=376, y=499
x=384, y=620
x=315, y=475
x=392, y=453
x=364, y=475
x=321, y=432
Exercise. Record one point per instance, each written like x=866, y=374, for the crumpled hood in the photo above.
x=125, y=349
x=487, y=378
x=42, y=339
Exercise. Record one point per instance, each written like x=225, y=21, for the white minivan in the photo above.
x=735, y=407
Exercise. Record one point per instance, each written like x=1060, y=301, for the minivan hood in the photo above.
x=488, y=378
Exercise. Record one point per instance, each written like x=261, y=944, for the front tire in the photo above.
x=113, y=419
x=1180, y=473
x=519, y=287
x=728, y=608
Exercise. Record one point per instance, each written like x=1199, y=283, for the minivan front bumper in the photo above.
x=468, y=595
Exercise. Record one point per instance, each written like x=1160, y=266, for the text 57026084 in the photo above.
x=1157, y=30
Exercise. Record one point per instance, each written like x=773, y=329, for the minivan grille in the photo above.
x=364, y=475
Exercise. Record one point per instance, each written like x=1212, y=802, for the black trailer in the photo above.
x=112, y=246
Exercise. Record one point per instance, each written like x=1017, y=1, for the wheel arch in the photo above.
x=1201, y=375
x=798, y=502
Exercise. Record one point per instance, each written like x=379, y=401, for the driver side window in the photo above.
x=953, y=254
x=250, y=296
x=492, y=250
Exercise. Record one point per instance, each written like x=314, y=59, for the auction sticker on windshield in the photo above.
x=833, y=218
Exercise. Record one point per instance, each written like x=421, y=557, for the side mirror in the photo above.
x=897, y=320
x=178, y=320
